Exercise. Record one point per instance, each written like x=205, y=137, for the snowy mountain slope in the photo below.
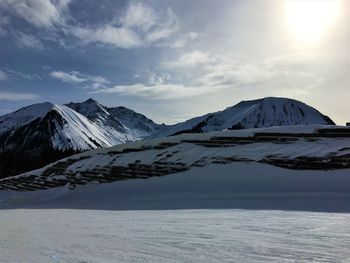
x=126, y=124
x=48, y=125
x=24, y=116
x=266, y=112
x=42, y=133
x=296, y=147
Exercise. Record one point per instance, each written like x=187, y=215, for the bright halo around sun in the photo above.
x=310, y=19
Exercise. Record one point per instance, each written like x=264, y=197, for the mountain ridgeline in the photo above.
x=36, y=135
x=260, y=113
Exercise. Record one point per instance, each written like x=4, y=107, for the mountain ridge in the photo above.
x=41, y=133
x=259, y=113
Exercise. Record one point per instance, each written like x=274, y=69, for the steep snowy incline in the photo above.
x=49, y=126
x=266, y=112
x=80, y=133
x=125, y=124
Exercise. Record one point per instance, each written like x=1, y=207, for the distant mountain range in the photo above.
x=41, y=133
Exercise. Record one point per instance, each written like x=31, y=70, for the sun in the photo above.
x=309, y=20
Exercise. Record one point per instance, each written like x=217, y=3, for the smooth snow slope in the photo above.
x=259, y=113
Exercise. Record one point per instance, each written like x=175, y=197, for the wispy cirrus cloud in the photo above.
x=215, y=69
x=28, y=41
x=157, y=92
x=75, y=77
x=3, y=75
x=71, y=77
x=40, y=13
x=12, y=96
x=3, y=24
x=140, y=25
x=183, y=39
x=27, y=76
x=190, y=59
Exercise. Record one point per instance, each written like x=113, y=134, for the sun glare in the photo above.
x=310, y=19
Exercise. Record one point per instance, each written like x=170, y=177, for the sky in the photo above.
x=175, y=59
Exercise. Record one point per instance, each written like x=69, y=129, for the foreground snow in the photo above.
x=236, y=185
x=173, y=236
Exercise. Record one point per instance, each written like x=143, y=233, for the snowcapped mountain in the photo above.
x=266, y=112
x=46, y=125
x=123, y=123
x=39, y=134
x=36, y=135
x=78, y=126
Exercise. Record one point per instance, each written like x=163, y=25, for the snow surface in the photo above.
x=236, y=185
x=94, y=236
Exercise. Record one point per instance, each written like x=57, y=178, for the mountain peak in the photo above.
x=258, y=113
x=25, y=115
x=90, y=100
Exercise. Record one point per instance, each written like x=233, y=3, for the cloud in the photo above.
x=237, y=74
x=214, y=69
x=9, y=96
x=190, y=59
x=27, y=41
x=3, y=75
x=3, y=23
x=40, y=13
x=139, y=26
x=158, y=78
x=72, y=77
x=118, y=37
x=75, y=77
x=31, y=76
x=157, y=92
x=183, y=39
x=139, y=15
